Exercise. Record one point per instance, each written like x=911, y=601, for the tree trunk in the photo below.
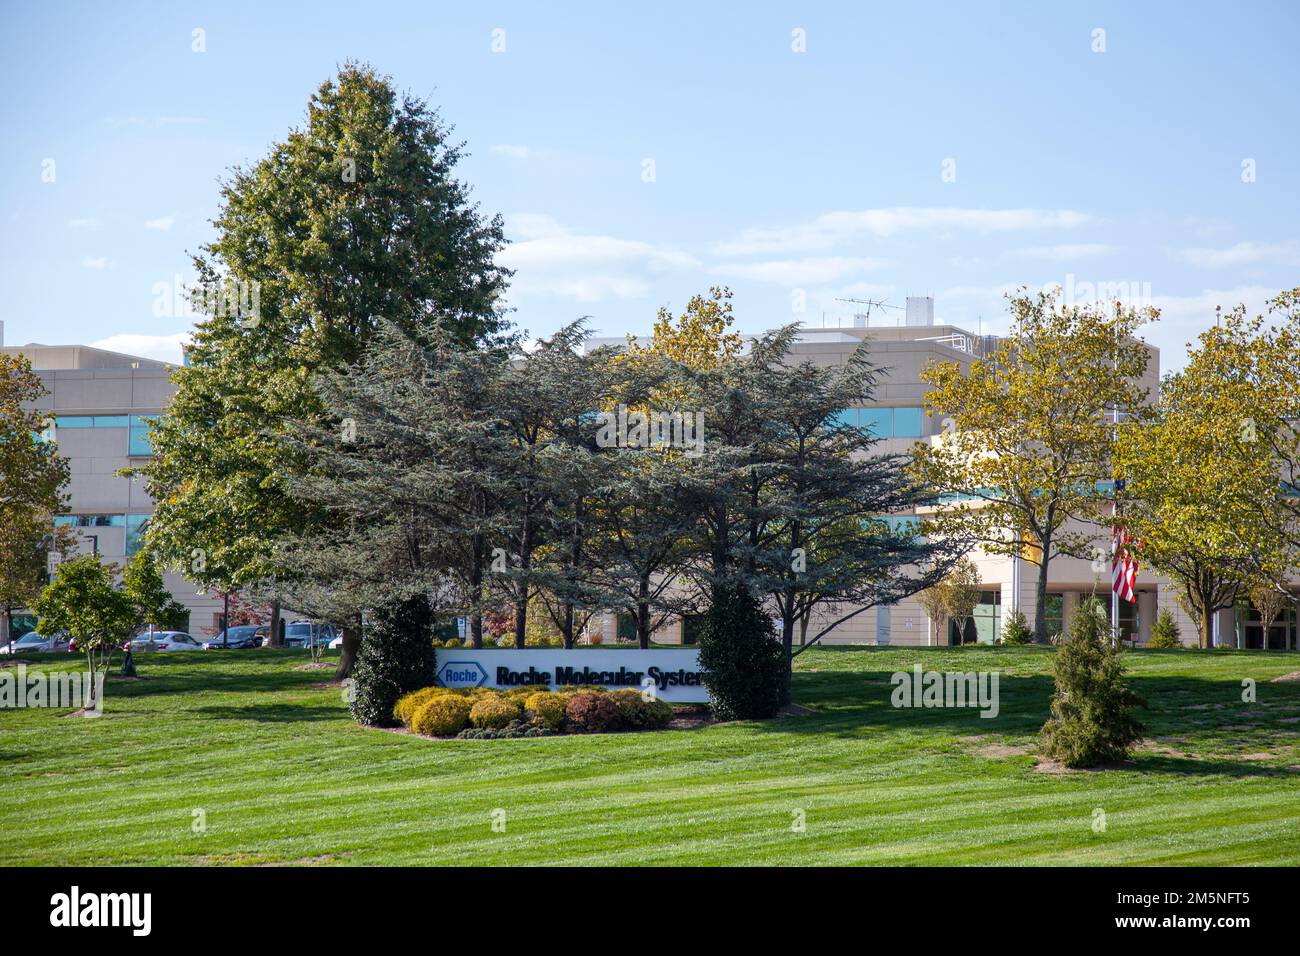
x=521, y=606
x=521, y=619
x=1040, y=595
x=348, y=654
x=273, y=638
x=787, y=644
x=7, y=629
x=1207, y=625
x=803, y=626
x=566, y=633
x=643, y=612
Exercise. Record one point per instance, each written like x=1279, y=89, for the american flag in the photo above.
x=1123, y=563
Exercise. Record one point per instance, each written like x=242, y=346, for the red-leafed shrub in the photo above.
x=591, y=714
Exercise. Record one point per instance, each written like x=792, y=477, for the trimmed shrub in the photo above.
x=452, y=642
x=495, y=712
x=547, y=708
x=396, y=657
x=408, y=704
x=1164, y=632
x=444, y=715
x=641, y=714
x=589, y=713
x=521, y=693
x=506, y=640
x=516, y=728
x=1092, y=720
x=743, y=662
x=1016, y=629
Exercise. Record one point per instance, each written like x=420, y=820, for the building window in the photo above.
x=138, y=443
x=1054, y=613
x=691, y=626
x=878, y=421
x=907, y=423
x=847, y=418
x=135, y=526
x=91, y=521
x=984, y=626
x=90, y=421
x=887, y=422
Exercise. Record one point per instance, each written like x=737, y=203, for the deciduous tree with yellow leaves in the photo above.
x=1205, y=478
x=1028, y=431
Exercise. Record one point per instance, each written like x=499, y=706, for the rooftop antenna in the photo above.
x=869, y=303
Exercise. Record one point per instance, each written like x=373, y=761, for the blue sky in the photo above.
x=793, y=177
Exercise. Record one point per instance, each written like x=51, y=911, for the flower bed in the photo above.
x=486, y=714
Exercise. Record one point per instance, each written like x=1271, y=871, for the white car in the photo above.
x=164, y=641
x=34, y=643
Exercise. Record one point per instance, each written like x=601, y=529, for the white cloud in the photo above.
x=1067, y=252
x=88, y=223
x=833, y=228
x=1242, y=254
x=811, y=270
x=164, y=348
x=161, y=224
x=511, y=150
x=550, y=259
x=95, y=262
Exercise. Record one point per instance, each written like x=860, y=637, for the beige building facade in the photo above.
x=897, y=417
x=97, y=403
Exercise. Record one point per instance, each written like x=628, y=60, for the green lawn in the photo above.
x=283, y=775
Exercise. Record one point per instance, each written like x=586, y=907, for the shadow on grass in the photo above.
x=260, y=672
x=1208, y=713
x=274, y=713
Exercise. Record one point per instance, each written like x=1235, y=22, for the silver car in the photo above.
x=164, y=641
x=34, y=643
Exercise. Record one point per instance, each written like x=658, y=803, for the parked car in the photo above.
x=305, y=633
x=236, y=638
x=34, y=643
x=164, y=641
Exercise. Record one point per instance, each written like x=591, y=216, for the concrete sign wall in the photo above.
x=675, y=673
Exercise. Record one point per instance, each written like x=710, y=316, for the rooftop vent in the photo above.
x=920, y=310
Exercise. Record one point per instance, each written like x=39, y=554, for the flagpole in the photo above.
x=1114, y=507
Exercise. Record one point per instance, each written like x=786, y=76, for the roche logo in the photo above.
x=462, y=674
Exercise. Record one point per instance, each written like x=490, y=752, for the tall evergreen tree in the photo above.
x=825, y=538
x=354, y=216
x=544, y=397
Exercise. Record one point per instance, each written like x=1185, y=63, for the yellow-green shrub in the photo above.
x=495, y=712
x=548, y=708
x=408, y=704
x=444, y=715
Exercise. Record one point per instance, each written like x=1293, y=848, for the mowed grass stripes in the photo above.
x=264, y=753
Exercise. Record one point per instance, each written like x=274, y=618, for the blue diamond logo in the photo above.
x=462, y=674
